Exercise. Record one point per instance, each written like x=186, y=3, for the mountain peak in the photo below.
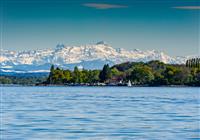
x=60, y=46
x=89, y=56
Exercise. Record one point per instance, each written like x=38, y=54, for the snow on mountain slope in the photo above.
x=89, y=56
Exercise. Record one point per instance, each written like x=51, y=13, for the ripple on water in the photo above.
x=100, y=113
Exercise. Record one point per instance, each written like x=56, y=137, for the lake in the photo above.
x=100, y=113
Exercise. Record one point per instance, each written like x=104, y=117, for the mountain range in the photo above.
x=86, y=56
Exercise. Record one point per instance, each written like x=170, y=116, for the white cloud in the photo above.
x=104, y=6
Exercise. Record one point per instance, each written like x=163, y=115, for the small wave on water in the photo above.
x=100, y=113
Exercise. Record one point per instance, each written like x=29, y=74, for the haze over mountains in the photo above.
x=86, y=56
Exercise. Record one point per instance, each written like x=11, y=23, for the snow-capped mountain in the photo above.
x=88, y=56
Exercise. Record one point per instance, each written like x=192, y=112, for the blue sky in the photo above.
x=171, y=26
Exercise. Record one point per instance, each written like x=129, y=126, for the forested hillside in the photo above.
x=153, y=73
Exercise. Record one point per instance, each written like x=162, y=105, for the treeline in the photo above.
x=60, y=76
x=193, y=63
x=153, y=73
x=20, y=80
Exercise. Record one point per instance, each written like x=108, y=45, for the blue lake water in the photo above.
x=100, y=113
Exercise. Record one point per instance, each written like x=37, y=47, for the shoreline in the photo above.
x=17, y=85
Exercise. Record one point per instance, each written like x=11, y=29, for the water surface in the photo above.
x=100, y=113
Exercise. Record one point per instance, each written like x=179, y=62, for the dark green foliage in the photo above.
x=141, y=75
x=5, y=80
x=59, y=77
x=105, y=74
x=177, y=75
x=67, y=76
x=20, y=80
x=77, y=75
x=195, y=76
x=153, y=73
x=193, y=63
x=49, y=80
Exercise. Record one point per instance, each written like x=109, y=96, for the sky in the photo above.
x=171, y=26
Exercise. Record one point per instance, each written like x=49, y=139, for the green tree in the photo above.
x=115, y=72
x=77, y=75
x=169, y=74
x=58, y=76
x=67, y=76
x=93, y=76
x=193, y=63
x=195, y=77
x=84, y=76
x=142, y=75
x=49, y=79
x=5, y=80
x=105, y=74
x=159, y=79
